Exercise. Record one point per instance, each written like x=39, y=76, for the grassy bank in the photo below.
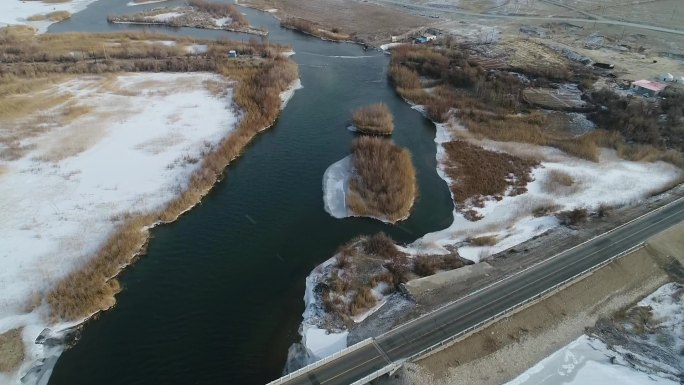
x=313, y=29
x=480, y=174
x=490, y=104
x=198, y=14
x=383, y=183
x=259, y=81
x=374, y=119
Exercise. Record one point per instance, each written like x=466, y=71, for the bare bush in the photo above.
x=481, y=173
x=559, y=183
x=383, y=184
x=381, y=245
x=425, y=265
x=485, y=240
x=573, y=217
x=363, y=300
x=374, y=119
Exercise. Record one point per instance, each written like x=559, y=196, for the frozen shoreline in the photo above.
x=180, y=122
x=335, y=181
x=511, y=220
x=17, y=12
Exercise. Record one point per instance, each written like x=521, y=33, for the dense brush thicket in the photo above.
x=383, y=183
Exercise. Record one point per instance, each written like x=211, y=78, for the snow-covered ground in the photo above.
x=610, y=181
x=16, y=12
x=590, y=361
x=133, y=152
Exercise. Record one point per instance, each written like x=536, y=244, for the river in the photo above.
x=217, y=299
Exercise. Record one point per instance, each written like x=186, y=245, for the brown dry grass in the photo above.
x=478, y=173
x=91, y=288
x=559, y=183
x=383, y=184
x=374, y=119
x=53, y=16
x=313, y=29
x=11, y=350
x=488, y=104
x=485, y=240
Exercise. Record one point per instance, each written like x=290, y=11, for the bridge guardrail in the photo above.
x=446, y=342
x=321, y=362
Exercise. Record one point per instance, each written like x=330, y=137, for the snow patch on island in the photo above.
x=286, y=95
x=335, y=182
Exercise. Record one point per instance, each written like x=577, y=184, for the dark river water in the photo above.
x=218, y=297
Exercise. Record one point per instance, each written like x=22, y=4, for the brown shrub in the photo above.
x=485, y=240
x=310, y=28
x=381, y=245
x=374, y=119
x=221, y=10
x=383, y=184
x=573, y=217
x=425, y=265
x=559, y=182
x=479, y=173
x=363, y=301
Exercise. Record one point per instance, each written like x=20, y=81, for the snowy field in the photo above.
x=611, y=181
x=587, y=360
x=133, y=152
x=16, y=11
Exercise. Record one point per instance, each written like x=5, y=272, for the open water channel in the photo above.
x=217, y=299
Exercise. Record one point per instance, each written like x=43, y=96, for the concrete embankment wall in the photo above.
x=506, y=348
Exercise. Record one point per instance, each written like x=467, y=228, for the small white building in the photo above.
x=666, y=77
x=430, y=37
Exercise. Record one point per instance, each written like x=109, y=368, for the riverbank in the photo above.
x=366, y=23
x=228, y=18
x=115, y=154
x=21, y=12
x=515, y=191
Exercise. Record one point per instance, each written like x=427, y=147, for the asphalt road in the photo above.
x=417, y=335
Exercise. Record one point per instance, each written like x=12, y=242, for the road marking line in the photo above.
x=676, y=201
x=527, y=284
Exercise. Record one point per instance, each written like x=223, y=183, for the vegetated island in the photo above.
x=61, y=95
x=377, y=180
x=313, y=29
x=198, y=14
x=374, y=119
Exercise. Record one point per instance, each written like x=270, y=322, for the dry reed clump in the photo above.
x=11, y=350
x=53, y=16
x=485, y=240
x=383, y=183
x=478, y=173
x=559, y=182
x=374, y=119
x=91, y=287
x=313, y=29
x=221, y=10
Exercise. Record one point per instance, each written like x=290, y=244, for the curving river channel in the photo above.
x=217, y=299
